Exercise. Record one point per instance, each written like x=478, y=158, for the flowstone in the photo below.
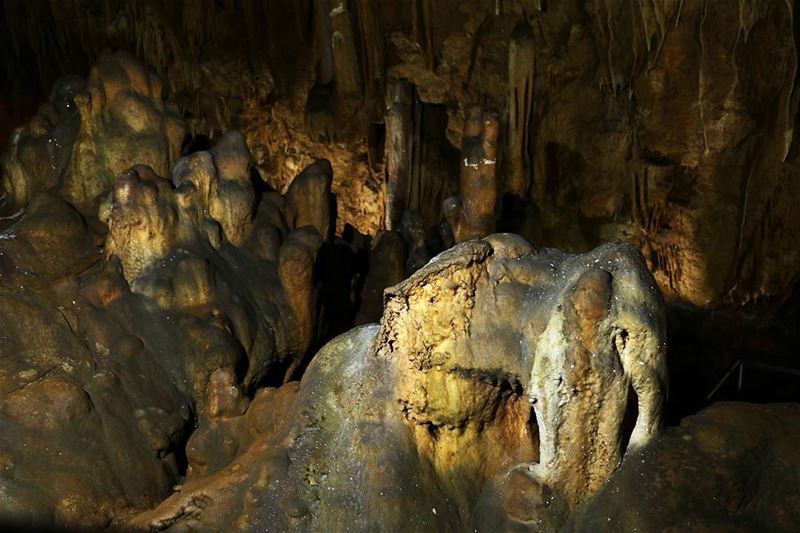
x=495, y=360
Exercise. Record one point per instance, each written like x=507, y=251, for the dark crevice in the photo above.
x=629, y=419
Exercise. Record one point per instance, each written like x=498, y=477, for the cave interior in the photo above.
x=399, y=265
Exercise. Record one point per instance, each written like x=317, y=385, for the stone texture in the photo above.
x=505, y=384
x=471, y=214
x=402, y=426
x=309, y=199
x=731, y=467
x=89, y=132
x=668, y=124
x=115, y=346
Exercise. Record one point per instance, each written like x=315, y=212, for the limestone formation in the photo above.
x=483, y=361
x=179, y=246
x=471, y=214
x=49, y=241
x=37, y=155
x=666, y=124
x=387, y=267
x=521, y=73
x=202, y=293
x=89, y=132
x=399, y=147
x=309, y=199
x=413, y=231
x=731, y=467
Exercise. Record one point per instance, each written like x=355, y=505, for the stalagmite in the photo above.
x=436, y=403
x=471, y=214
x=495, y=192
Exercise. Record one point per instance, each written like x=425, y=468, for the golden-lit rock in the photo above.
x=471, y=214
x=308, y=199
x=467, y=392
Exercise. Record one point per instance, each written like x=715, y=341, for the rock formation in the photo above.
x=666, y=124
x=472, y=214
x=89, y=132
x=175, y=248
x=731, y=467
x=413, y=424
x=123, y=330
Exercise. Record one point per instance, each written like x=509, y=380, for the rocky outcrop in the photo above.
x=90, y=131
x=115, y=346
x=666, y=124
x=155, y=306
x=482, y=362
x=731, y=467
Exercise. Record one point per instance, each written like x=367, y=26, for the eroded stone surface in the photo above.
x=731, y=467
x=202, y=293
x=90, y=131
x=400, y=426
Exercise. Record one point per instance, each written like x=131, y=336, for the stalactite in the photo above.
x=323, y=44
x=656, y=17
x=421, y=29
x=302, y=14
x=791, y=106
x=372, y=49
x=435, y=177
x=347, y=73
x=417, y=175
x=521, y=68
x=399, y=135
x=701, y=85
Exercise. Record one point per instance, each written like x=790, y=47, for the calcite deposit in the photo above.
x=496, y=359
x=122, y=330
x=731, y=467
x=668, y=124
x=92, y=130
